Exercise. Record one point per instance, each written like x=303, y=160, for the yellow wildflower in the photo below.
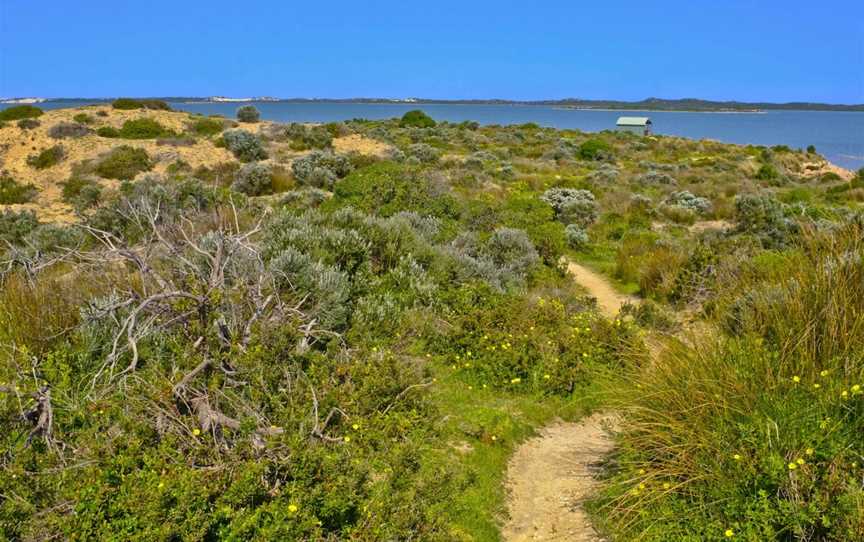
x=161, y=485
x=800, y=461
x=824, y=372
x=494, y=437
x=856, y=388
x=729, y=533
x=355, y=426
x=666, y=485
x=196, y=431
x=515, y=380
x=816, y=386
x=792, y=466
x=796, y=379
x=809, y=451
x=347, y=438
x=547, y=377
x=737, y=457
x=844, y=394
x=292, y=508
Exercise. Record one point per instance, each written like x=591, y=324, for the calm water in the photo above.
x=839, y=136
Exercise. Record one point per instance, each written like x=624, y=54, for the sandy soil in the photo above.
x=548, y=478
x=17, y=144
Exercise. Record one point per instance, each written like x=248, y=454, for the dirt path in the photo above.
x=609, y=301
x=550, y=475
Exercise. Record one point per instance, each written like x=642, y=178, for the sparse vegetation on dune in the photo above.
x=290, y=340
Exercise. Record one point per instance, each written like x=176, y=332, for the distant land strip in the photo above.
x=649, y=104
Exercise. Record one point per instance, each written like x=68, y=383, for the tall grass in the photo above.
x=756, y=433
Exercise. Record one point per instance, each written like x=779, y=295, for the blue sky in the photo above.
x=729, y=49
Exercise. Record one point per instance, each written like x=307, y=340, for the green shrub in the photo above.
x=577, y=237
x=572, y=206
x=248, y=113
x=417, y=119
x=321, y=169
x=83, y=118
x=594, y=149
x=143, y=128
x=15, y=226
x=308, y=137
x=124, y=162
x=12, y=192
x=767, y=172
x=108, y=131
x=245, y=146
x=131, y=103
x=206, y=126
x=19, y=112
x=47, y=158
x=81, y=193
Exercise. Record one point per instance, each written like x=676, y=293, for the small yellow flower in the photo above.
x=823, y=373
x=666, y=485
x=641, y=486
x=292, y=508
x=737, y=457
x=546, y=376
x=856, y=388
x=809, y=451
x=792, y=466
x=347, y=438
x=161, y=485
x=844, y=394
x=196, y=431
x=729, y=533
x=356, y=426
x=494, y=437
x=796, y=379
x=641, y=471
x=817, y=386
x=470, y=388
x=515, y=380
x=800, y=461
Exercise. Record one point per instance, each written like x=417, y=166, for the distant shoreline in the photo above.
x=687, y=105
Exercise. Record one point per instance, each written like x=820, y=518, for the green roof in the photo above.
x=633, y=121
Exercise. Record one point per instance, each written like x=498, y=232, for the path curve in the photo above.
x=550, y=475
x=609, y=301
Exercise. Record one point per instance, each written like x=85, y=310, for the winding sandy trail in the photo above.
x=550, y=475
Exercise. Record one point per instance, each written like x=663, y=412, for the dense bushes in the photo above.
x=773, y=450
x=47, y=157
x=245, y=146
x=304, y=137
x=764, y=217
x=81, y=193
x=417, y=119
x=124, y=162
x=143, y=128
x=253, y=179
x=207, y=126
x=19, y=112
x=130, y=103
x=248, y=113
x=594, y=149
x=321, y=169
x=12, y=192
x=572, y=206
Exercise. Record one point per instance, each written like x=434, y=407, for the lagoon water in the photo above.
x=839, y=136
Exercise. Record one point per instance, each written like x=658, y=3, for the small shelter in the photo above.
x=636, y=125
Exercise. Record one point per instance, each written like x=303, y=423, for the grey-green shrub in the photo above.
x=63, y=130
x=253, y=179
x=687, y=200
x=245, y=146
x=248, y=113
x=321, y=169
x=572, y=206
x=576, y=236
x=424, y=153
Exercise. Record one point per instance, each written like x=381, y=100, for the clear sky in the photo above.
x=718, y=49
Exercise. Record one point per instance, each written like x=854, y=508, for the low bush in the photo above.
x=253, y=179
x=143, y=128
x=12, y=192
x=245, y=146
x=69, y=129
x=417, y=119
x=81, y=193
x=248, y=113
x=207, y=126
x=15, y=226
x=572, y=206
x=304, y=137
x=321, y=169
x=131, y=103
x=83, y=118
x=28, y=124
x=19, y=112
x=124, y=162
x=49, y=157
x=107, y=131
x=764, y=217
x=576, y=235
x=423, y=153
x=594, y=149
x=687, y=200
